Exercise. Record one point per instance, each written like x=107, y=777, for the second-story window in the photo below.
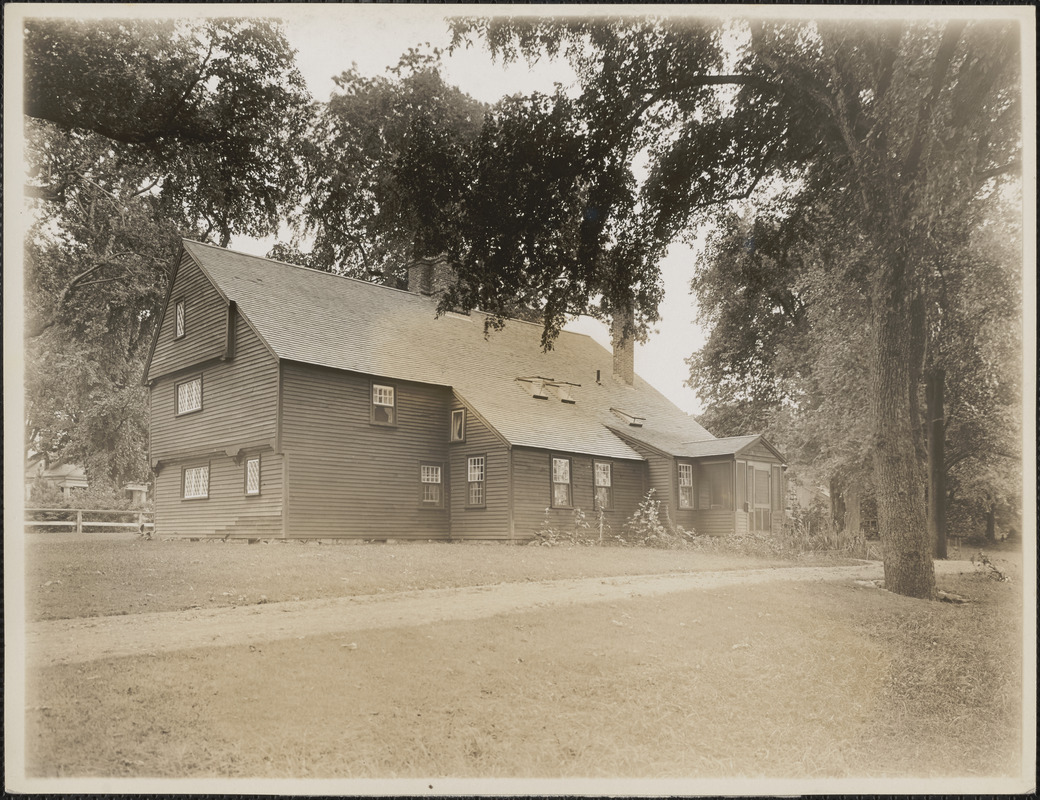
x=189, y=396
x=384, y=404
x=178, y=319
x=458, y=425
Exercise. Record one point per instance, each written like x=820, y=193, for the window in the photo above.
x=253, y=475
x=189, y=396
x=475, y=476
x=720, y=485
x=178, y=319
x=777, y=491
x=686, y=486
x=458, y=425
x=384, y=409
x=604, y=480
x=430, y=483
x=561, y=483
x=195, y=483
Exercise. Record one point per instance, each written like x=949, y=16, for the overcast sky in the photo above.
x=328, y=39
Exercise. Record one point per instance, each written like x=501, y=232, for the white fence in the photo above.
x=87, y=520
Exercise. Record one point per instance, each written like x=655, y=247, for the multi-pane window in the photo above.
x=189, y=396
x=458, y=425
x=686, y=486
x=430, y=481
x=475, y=477
x=604, y=480
x=253, y=475
x=196, y=482
x=561, y=482
x=384, y=400
x=178, y=317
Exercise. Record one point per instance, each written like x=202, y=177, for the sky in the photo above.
x=328, y=40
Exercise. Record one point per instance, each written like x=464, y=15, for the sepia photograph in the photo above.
x=438, y=400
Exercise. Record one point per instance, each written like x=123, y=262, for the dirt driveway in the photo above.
x=91, y=638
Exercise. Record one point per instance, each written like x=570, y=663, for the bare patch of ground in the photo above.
x=87, y=639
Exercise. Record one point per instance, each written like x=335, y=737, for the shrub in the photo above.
x=645, y=528
x=552, y=534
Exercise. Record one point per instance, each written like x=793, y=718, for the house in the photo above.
x=66, y=478
x=289, y=402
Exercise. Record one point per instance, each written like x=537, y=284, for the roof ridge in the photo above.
x=358, y=280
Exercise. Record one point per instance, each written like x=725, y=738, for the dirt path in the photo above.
x=91, y=638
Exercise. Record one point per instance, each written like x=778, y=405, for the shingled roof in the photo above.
x=319, y=318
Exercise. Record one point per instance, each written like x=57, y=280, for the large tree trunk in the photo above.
x=934, y=387
x=837, y=506
x=991, y=524
x=897, y=467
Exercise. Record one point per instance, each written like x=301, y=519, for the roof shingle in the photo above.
x=324, y=319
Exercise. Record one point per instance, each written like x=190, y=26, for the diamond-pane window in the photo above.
x=196, y=482
x=179, y=320
x=253, y=476
x=189, y=396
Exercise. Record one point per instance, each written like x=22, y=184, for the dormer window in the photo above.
x=536, y=386
x=629, y=419
x=384, y=405
x=178, y=319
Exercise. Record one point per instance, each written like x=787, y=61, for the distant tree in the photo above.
x=137, y=133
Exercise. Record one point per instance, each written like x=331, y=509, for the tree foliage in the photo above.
x=385, y=169
x=137, y=133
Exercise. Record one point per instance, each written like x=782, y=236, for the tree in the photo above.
x=895, y=135
x=137, y=133
x=385, y=169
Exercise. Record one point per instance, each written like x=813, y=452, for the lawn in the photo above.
x=767, y=680
x=86, y=578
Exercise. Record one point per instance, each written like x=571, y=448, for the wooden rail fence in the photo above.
x=79, y=520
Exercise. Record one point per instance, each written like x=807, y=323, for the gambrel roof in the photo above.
x=318, y=318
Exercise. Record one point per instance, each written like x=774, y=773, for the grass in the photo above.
x=766, y=680
x=87, y=578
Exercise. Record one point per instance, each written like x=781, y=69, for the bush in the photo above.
x=645, y=528
x=579, y=532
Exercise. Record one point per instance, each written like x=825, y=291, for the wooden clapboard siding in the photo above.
x=759, y=451
x=348, y=477
x=660, y=475
x=239, y=402
x=227, y=511
x=532, y=491
x=493, y=520
x=714, y=522
x=205, y=323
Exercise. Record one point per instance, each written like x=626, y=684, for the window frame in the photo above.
x=259, y=476
x=553, y=483
x=180, y=318
x=451, y=428
x=423, y=502
x=596, y=487
x=372, y=404
x=177, y=399
x=692, y=486
x=482, y=481
x=184, y=480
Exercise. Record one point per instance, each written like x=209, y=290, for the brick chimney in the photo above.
x=624, y=347
x=430, y=276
